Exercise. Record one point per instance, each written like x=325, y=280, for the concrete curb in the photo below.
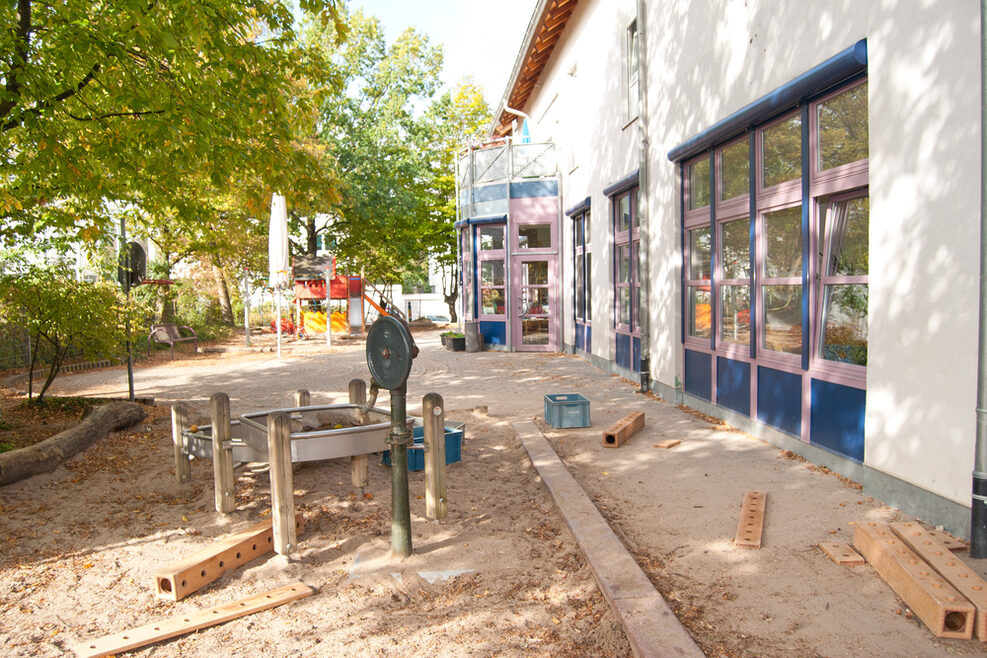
x=650, y=625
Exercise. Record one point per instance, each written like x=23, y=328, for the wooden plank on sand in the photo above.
x=934, y=601
x=192, y=621
x=751, y=523
x=842, y=553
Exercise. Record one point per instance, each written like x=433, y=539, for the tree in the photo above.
x=63, y=316
x=127, y=100
x=458, y=118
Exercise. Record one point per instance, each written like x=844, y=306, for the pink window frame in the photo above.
x=487, y=256
x=582, y=248
x=632, y=239
x=696, y=218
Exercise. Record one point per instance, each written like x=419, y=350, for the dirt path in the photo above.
x=502, y=576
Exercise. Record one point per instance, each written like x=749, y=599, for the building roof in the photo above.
x=547, y=24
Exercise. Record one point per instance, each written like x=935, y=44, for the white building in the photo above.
x=729, y=173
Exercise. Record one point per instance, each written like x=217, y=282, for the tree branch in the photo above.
x=41, y=106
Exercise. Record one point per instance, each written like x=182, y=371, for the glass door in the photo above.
x=534, y=322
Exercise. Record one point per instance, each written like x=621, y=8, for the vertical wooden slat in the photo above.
x=359, y=464
x=179, y=423
x=222, y=455
x=433, y=412
x=282, y=482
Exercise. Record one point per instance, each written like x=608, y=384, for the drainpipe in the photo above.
x=644, y=200
x=518, y=113
x=978, y=521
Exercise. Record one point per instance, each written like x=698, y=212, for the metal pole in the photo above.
x=328, y=310
x=978, y=519
x=276, y=294
x=399, y=439
x=246, y=306
x=644, y=202
x=130, y=351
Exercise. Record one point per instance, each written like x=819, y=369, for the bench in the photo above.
x=169, y=334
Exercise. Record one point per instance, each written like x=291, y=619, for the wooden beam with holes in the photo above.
x=180, y=579
x=842, y=553
x=192, y=621
x=751, y=523
x=623, y=429
x=931, y=598
x=950, y=567
x=948, y=540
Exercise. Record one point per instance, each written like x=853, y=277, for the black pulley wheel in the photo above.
x=389, y=353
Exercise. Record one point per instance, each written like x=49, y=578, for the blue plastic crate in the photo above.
x=416, y=451
x=564, y=410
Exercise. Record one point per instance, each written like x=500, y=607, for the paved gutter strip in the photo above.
x=650, y=625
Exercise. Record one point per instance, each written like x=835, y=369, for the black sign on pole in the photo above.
x=132, y=266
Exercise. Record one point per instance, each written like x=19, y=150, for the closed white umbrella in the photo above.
x=277, y=253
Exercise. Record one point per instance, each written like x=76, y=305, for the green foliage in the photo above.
x=64, y=316
x=131, y=101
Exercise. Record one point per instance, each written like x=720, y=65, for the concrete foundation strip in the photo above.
x=934, y=601
x=950, y=567
x=650, y=625
x=192, y=621
x=181, y=578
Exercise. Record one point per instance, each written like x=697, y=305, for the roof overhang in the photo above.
x=547, y=24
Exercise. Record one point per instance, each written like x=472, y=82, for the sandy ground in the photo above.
x=500, y=576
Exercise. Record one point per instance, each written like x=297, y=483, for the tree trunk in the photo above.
x=223, y=292
x=311, y=235
x=45, y=456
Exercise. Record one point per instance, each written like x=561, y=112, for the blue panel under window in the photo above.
x=537, y=188
x=624, y=351
x=589, y=338
x=636, y=357
x=581, y=337
x=733, y=385
x=494, y=333
x=837, y=418
x=489, y=193
x=779, y=399
x=698, y=374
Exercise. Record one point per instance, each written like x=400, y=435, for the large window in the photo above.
x=582, y=266
x=492, y=270
x=627, y=260
x=810, y=177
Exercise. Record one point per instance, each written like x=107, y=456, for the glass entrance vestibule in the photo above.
x=508, y=244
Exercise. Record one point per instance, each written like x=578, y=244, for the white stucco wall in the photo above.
x=708, y=58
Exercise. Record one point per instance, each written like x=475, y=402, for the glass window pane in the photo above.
x=845, y=324
x=735, y=323
x=624, y=213
x=636, y=261
x=783, y=242
x=534, y=331
x=534, y=300
x=699, y=184
x=782, y=316
x=624, y=263
x=589, y=286
x=847, y=224
x=534, y=236
x=491, y=238
x=699, y=253
x=782, y=151
x=492, y=301
x=735, y=248
x=534, y=273
x=624, y=305
x=735, y=170
x=636, y=305
x=842, y=125
x=468, y=287
x=699, y=311
x=577, y=231
x=580, y=289
x=492, y=273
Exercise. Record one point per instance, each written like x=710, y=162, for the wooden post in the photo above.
x=282, y=482
x=359, y=464
x=434, y=420
x=179, y=423
x=222, y=456
x=303, y=399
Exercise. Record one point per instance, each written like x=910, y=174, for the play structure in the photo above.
x=345, y=300
x=307, y=432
